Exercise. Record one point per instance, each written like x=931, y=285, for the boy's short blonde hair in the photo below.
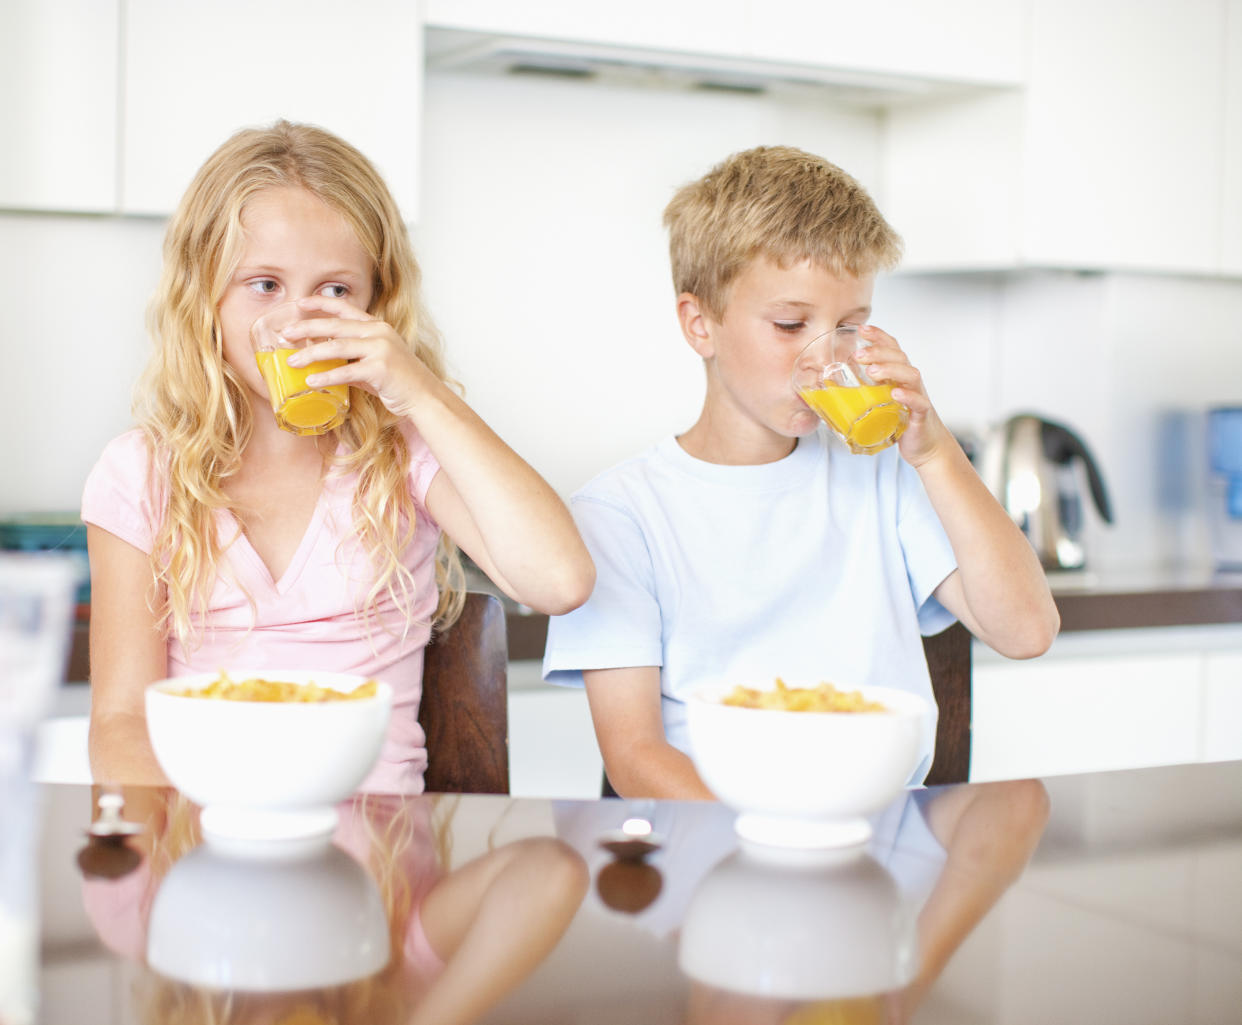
x=776, y=202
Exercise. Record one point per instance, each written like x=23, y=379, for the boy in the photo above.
x=755, y=545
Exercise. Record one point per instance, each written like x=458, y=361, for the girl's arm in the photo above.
x=999, y=590
x=127, y=653
x=487, y=498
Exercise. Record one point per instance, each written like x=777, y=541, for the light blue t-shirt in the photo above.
x=820, y=566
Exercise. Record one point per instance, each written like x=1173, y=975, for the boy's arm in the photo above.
x=127, y=652
x=999, y=590
x=639, y=761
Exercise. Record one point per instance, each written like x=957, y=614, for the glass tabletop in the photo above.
x=1108, y=897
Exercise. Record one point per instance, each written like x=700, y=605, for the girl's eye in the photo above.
x=789, y=326
x=265, y=286
x=334, y=291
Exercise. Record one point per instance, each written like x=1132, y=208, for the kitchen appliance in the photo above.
x=1225, y=486
x=1035, y=469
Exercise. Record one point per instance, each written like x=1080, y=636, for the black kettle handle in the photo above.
x=1060, y=446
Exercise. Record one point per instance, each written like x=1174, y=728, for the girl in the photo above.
x=217, y=539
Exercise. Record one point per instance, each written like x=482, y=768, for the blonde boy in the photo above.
x=754, y=544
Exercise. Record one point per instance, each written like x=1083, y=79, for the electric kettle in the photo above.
x=1031, y=465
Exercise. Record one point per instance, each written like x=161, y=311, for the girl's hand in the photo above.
x=884, y=360
x=380, y=360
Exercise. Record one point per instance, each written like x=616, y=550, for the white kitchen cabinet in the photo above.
x=1084, y=715
x=685, y=26
x=195, y=73
x=1221, y=737
x=1231, y=215
x=969, y=41
x=1111, y=157
x=58, y=79
x=1109, y=699
x=964, y=41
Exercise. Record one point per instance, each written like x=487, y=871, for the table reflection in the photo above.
x=765, y=935
x=373, y=926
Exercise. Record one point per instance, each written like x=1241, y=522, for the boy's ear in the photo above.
x=695, y=325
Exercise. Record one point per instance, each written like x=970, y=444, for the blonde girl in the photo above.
x=217, y=539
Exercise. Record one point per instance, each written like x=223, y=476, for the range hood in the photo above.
x=463, y=50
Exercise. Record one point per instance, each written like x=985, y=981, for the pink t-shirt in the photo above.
x=308, y=619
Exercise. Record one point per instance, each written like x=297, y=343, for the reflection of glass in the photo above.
x=271, y=925
x=838, y=388
x=831, y=926
x=299, y=408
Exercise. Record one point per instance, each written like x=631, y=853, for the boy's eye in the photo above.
x=334, y=291
x=789, y=326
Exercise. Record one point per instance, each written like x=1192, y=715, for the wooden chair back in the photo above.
x=464, y=707
x=948, y=662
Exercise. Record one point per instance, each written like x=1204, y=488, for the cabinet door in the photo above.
x=970, y=41
x=58, y=77
x=1231, y=219
x=1110, y=157
x=1122, y=153
x=1059, y=715
x=195, y=73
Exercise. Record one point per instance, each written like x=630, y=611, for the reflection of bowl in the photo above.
x=267, y=770
x=268, y=925
x=830, y=928
x=806, y=778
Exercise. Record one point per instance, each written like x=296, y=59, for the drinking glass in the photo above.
x=829, y=380
x=299, y=407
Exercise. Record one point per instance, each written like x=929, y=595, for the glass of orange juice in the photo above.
x=299, y=408
x=830, y=381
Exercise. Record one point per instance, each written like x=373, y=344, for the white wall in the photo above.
x=546, y=268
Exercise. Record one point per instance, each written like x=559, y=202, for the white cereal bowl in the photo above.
x=806, y=779
x=266, y=771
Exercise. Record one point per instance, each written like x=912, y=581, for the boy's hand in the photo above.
x=380, y=361
x=884, y=360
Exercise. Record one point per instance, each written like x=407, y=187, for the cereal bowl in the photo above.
x=806, y=779
x=266, y=770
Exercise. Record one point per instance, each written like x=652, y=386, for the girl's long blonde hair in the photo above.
x=193, y=407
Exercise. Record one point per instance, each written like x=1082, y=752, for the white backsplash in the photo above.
x=546, y=268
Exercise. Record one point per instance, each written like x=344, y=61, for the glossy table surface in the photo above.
x=490, y=909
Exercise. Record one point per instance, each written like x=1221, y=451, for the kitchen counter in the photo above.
x=1087, y=601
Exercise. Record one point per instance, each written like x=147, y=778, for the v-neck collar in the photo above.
x=247, y=552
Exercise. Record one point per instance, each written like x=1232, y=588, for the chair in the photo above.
x=464, y=707
x=948, y=662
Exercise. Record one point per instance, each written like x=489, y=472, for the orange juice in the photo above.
x=299, y=408
x=866, y=417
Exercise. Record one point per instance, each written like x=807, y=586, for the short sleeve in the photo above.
x=119, y=495
x=929, y=556
x=423, y=464
x=620, y=624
